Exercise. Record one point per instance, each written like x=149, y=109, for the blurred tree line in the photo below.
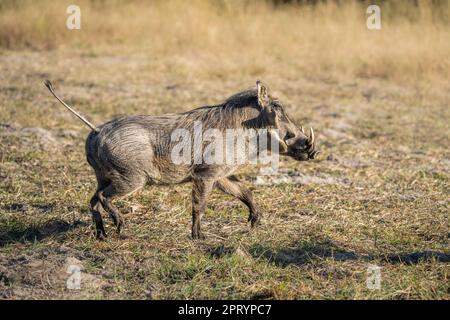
x=413, y=10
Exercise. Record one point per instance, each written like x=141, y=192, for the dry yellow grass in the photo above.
x=414, y=40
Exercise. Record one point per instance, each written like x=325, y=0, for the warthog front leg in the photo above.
x=235, y=189
x=201, y=189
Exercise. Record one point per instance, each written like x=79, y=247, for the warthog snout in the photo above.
x=302, y=147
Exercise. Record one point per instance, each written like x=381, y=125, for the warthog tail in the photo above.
x=49, y=86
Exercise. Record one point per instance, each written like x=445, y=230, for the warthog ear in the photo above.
x=270, y=116
x=263, y=94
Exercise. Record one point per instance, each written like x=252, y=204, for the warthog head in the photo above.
x=293, y=141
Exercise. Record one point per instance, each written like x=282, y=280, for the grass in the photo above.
x=377, y=195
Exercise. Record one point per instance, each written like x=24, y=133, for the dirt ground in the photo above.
x=378, y=195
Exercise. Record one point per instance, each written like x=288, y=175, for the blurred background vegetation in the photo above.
x=313, y=35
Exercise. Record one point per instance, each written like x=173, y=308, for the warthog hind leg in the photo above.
x=105, y=197
x=97, y=208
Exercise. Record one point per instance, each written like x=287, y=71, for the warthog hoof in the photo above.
x=198, y=235
x=119, y=227
x=255, y=220
x=101, y=235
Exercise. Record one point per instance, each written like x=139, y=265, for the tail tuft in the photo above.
x=48, y=84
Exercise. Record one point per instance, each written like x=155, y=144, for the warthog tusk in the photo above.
x=303, y=131
x=311, y=136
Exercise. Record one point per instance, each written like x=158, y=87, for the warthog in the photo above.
x=130, y=152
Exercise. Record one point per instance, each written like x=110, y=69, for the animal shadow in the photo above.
x=306, y=253
x=14, y=234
